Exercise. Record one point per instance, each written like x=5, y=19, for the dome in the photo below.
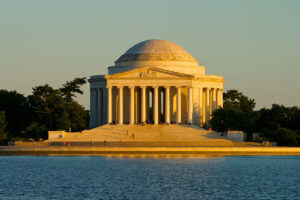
x=160, y=54
x=156, y=50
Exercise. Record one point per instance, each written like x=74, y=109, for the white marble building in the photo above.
x=155, y=81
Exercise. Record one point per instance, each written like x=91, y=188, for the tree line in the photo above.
x=278, y=124
x=32, y=116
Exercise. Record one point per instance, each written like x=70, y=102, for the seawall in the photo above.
x=106, y=151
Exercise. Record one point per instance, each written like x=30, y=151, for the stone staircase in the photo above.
x=152, y=135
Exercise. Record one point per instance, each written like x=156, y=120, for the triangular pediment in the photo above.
x=149, y=73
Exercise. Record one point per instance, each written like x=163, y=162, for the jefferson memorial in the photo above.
x=155, y=82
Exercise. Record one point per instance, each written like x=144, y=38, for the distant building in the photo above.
x=155, y=81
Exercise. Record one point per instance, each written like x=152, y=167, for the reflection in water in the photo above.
x=161, y=156
x=85, y=177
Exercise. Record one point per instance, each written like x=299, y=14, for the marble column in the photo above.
x=109, y=105
x=104, y=105
x=101, y=105
x=190, y=105
x=155, y=106
x=131, y=120
x=200, y=106
x=178, y=113
x=91, y=103
x=167, y=105
x=120, y=104
x=207, y=115
x=97, y=106
x=91, y=107
x=94, y=107
x=218, y=98
x=214, y=99
x=143, y=104
x=159, y=103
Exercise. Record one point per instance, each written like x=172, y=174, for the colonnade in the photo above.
x=193, y=106
x=112, y=111
x=98, y=106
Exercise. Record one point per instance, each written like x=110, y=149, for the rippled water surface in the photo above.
x=84, y=177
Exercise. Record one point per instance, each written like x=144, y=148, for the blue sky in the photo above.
x=254, y=44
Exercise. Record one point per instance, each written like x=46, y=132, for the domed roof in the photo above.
x=156, y=50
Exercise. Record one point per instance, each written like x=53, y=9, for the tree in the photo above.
x=282, y=136
x=286, y=137
x=235, y=100
x=237, y=113
x=78, y=116
x=48, y=110
x=35, y=130
x=3, y=135
x=280, y=124
x=2, y=122
x=45, y=109
x=287, y=117
x=294, y=118
x=16, y=110
x=70, y=88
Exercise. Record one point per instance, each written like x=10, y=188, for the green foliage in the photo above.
x=283, y=136
x=3, y=138
x=2, y=122
x=279, y=124
x=3, y=135
x=45, y=109
x=70, y=88
x=286, y=137
x=278, y=114
x=236, y=114
x=235, y=100
x=35, y=130
x=48, y=108
x=78, y=116
x=16, y=110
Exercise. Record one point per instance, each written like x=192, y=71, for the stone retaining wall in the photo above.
x=149, y=150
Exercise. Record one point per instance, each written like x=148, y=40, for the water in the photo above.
x=84, y=177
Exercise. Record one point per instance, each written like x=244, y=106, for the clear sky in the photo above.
x=254, y=44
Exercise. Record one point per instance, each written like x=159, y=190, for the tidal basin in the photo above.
x=92, y=177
